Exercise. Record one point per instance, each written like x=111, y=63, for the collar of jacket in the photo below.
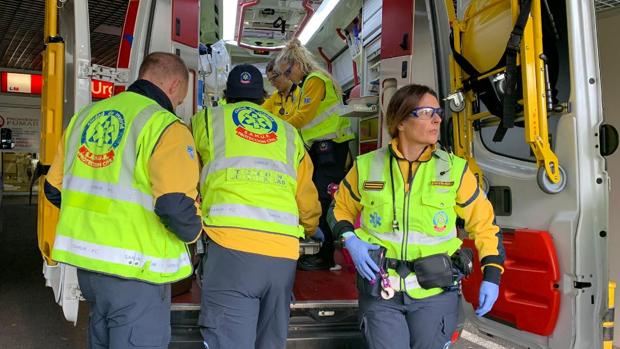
x=424, y=157
x=150, y=90
x=301, y=83
x=289, y=93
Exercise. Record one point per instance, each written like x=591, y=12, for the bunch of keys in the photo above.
x=387, y=291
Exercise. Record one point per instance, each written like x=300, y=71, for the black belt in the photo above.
x=461, y=260
x=403, y=268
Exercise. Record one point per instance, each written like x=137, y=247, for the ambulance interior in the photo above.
x=544, y=169
x=545, y=176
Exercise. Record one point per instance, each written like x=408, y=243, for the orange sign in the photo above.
x=32, y=84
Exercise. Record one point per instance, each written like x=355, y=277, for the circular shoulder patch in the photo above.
x=101, y=137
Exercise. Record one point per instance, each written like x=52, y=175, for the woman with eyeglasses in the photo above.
x=282, y=101
x=325, y=133
x=406, y=251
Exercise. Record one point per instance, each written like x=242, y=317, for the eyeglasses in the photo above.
x=273, y=78
x=426, y=113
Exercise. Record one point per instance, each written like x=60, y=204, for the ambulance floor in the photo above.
x=29, y=318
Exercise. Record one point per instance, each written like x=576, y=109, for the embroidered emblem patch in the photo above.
x=190, y=151
x=255, y=125
x=373, y=185
x=245, y=78
x=375, y=219
x=442, y=183
x=100, y=138
x=440, y=221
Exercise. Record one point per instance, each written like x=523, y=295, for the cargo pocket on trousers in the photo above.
x=366, y=335
x=448, y=326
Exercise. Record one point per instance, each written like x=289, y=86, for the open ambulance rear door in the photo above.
x=545, y=176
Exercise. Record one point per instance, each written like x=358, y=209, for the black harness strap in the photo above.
x=512, y=49
x=506, y=109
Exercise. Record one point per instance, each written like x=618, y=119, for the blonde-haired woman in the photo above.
x=322, y=129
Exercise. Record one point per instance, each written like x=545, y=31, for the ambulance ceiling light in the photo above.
x=316, y=21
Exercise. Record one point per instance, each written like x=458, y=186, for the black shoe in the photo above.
x=314, y=262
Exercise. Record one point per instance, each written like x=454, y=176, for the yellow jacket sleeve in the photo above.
x=346, y=206
x=55, y=173
x=174, y=174
x=307, y=197
x=477, y=212
x=53, y=179
x=270, y=103
x=313, y=92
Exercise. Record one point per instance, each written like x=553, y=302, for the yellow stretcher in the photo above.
x=480, y=38
x=51, y=123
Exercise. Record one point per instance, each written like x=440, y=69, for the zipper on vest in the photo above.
x=410, y=177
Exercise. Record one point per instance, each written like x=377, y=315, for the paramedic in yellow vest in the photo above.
x=409, y=194
x=258, y=200
x=282, y=101
x=125, y=179
x=325, y=133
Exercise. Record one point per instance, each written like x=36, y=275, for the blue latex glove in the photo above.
x=359, y=253
x=318, y=235
x=488, y=295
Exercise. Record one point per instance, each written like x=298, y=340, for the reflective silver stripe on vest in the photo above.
x=411, y=282
x=377, y=166
x=219, y=132
x=220, y=161
x=71, y=146
x=246, y=162
x=291, y=149
x=123, y=190
x=253, y=212
x=108, y=190
x=120, y=256
x=130, y=153
x=414, y=237
x=336, y=108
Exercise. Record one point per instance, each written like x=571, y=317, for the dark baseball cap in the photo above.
x=245, y=81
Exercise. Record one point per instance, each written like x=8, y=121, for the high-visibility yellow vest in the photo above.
x=249, y=177
x=327, y=124
x=107, y=221
x=425, y=214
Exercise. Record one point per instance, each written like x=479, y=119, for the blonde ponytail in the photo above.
x=295, y=52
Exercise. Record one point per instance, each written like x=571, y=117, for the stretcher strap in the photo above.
x=512, y=49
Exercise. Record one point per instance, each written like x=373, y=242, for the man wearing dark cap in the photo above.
x=258, y=199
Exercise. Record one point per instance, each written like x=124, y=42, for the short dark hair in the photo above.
x=163, y=65
x=402, y=103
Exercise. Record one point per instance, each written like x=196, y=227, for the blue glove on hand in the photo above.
x=359, y=253
x=318, y=235
x=488, y=295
